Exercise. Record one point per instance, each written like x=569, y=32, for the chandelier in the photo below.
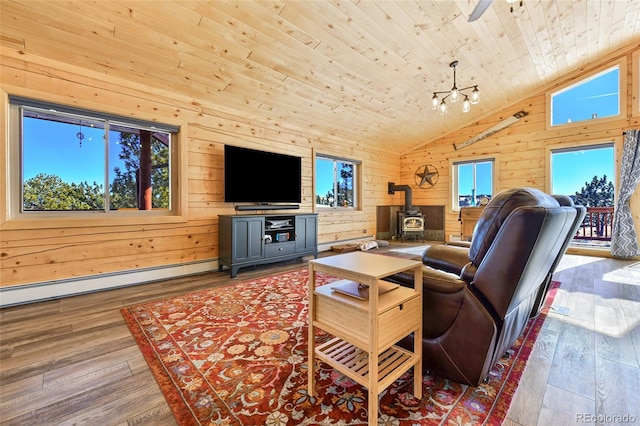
x=454, y=95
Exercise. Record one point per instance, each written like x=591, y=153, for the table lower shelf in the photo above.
x=354, y=362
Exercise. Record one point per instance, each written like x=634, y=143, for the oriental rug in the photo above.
x=237, y=355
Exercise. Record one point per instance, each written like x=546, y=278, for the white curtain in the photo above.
x=624, y=240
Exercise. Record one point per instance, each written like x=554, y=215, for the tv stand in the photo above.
x=252, y=239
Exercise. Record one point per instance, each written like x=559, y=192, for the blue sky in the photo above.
x=324, y=185
x=569, y=173
x=595, y=96
x=483, y=179
x=54, y=148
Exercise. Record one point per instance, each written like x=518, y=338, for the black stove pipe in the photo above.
x=407, y=194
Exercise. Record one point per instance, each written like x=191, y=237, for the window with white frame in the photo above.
x=472, y=180
x=596, y=97
x=336, y=182
x=75, y=160
x=586, y=173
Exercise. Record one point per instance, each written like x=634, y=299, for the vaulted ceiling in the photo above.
x=362, y=70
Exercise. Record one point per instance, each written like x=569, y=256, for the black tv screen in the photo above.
x=261, y=177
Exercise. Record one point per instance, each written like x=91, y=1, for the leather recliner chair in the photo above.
x=456, y=254
x=473, y=313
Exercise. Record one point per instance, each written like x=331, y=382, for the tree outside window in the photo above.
x=335, y=182
x=134, y=186
x=68, y=160
x=586, y=174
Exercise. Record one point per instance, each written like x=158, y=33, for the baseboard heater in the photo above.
x=37, y=292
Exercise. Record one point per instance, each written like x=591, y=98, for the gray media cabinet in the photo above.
x=248, y=240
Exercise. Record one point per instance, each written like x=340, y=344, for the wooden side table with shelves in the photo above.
x=365, y=331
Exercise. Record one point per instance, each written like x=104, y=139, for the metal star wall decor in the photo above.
x=426, y=175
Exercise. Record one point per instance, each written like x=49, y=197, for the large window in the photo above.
x=73, y=160
x=336, y=182
x=472, y=180
x=595, y=97
x=585, y=173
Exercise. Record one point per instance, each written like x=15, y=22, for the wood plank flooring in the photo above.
x=73, y=360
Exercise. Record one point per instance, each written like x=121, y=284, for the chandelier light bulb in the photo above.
x=435, y=102
x=466, y=104
x=443, y=108
x=454, y=94
x=475, y=95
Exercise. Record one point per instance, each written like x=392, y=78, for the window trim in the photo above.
x=13, y=218
x=357, y=183
x=454, y=162
x=622, y=66
x=91, y=114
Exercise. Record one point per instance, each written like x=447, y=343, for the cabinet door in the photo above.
x=469, y=216
x=247, y=236
x=306, y=232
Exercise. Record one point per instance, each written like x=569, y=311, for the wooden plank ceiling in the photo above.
x=363, y=70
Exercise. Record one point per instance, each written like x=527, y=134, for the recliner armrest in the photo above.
x=438, y=281
x=466, y=244
x=432, y=280
x=446, y=258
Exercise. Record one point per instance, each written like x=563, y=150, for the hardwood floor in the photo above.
x=585, y=365
x=73, y=360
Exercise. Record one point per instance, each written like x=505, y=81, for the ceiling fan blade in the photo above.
x=479, y=9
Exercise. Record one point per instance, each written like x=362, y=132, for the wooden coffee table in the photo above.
x=366, y=331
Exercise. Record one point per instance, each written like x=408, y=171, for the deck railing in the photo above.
x=596, y=224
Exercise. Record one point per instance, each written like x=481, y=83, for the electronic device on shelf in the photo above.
x=282, y=236
x=275, y=224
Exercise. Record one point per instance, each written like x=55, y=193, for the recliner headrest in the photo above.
x=497, y=211
x=563, y=200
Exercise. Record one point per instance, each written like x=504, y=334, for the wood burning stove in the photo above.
x=410, y=225
x=410, y=221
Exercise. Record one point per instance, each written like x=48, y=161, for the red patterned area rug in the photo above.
x=237, y=355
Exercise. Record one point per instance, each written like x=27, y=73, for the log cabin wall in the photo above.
x=45, y=252
x=522, y=149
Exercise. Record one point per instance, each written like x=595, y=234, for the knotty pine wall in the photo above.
x=522, y=150
x=50, y=250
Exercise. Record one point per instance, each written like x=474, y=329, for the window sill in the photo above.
x=335, y=209
x=85, y=220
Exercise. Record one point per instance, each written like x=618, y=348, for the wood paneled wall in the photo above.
x=522, y=150
x=47, y=251
x=37, y=254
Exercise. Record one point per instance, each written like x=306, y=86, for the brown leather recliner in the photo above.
x=473, y=313
x=456, y=254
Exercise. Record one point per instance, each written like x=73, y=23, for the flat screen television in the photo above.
x=261, y=177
